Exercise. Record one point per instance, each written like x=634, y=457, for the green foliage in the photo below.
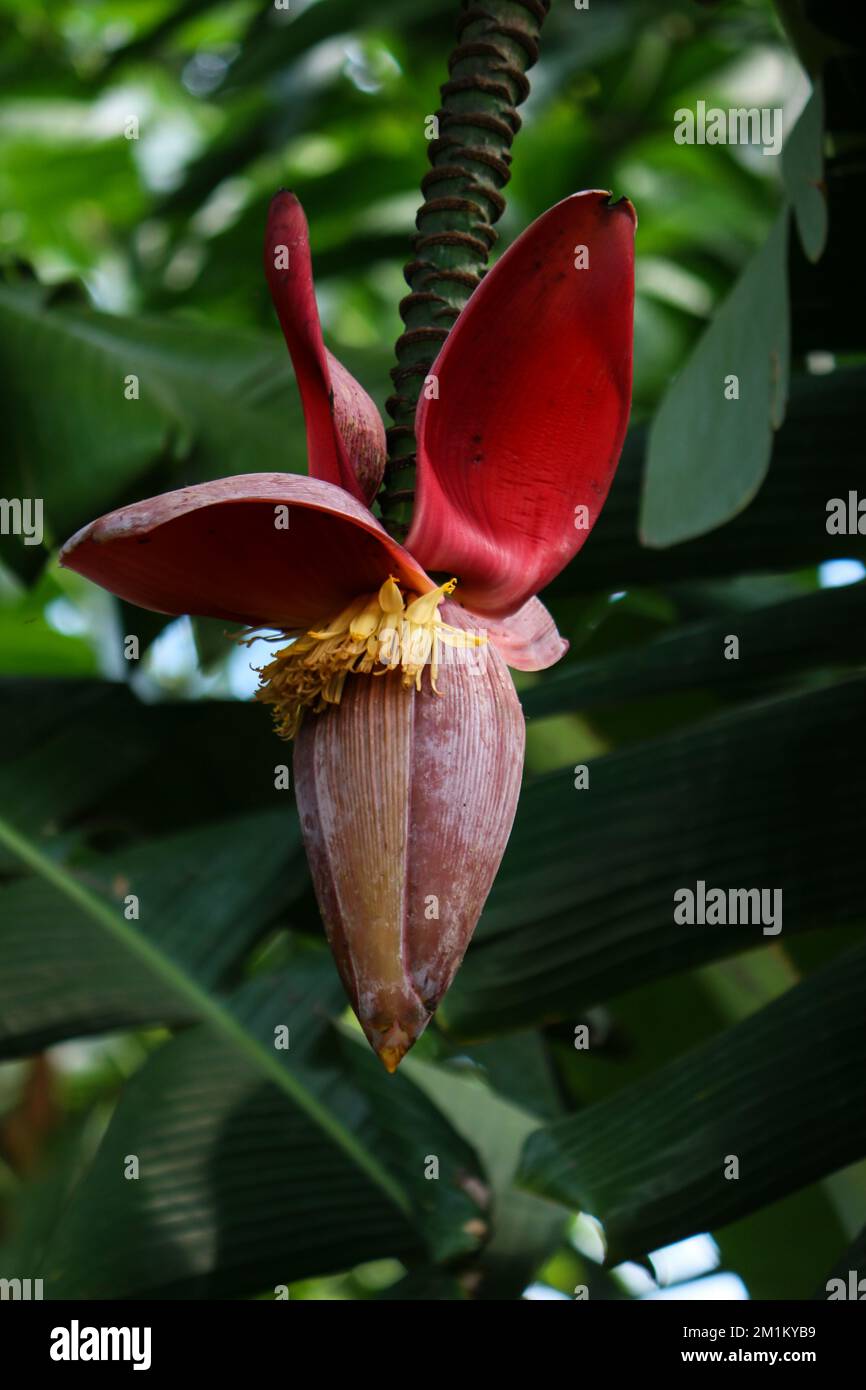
x=557, y=936
x=199, y=402
x=741, y=362
x=153, y=783
x=700, y=1142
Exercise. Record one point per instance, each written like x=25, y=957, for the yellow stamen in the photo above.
x=421, y=610
x=341, y=622
x=374, y=635
x=390, y=598
x=367, y=621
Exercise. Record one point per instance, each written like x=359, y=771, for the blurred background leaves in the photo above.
x=139, y=146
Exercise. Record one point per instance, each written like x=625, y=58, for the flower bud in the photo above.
x=406, y=799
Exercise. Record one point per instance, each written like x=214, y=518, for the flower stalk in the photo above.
x=469, y=158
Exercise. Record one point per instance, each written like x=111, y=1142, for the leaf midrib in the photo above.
x=207, y=1008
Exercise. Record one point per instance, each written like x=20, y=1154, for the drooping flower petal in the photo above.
x=406, y=801
x=527, y=641
x=262, y=549
x=345, y=434
x=519, y=440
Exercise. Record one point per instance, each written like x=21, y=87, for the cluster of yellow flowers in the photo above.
x=375, y=634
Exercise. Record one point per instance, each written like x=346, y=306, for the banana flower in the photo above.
x=393, y=679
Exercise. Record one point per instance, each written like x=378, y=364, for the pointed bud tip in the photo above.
x=392, y=1046
x=391, y=1057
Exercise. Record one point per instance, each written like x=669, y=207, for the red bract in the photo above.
x=407, y=792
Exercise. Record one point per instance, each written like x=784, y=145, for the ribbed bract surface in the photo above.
x=406, y=802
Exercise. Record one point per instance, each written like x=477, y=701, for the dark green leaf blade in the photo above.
x=768, y=794
x=202, y=896
x=781, y=1093
x=800, y=634
x=236, y=1190
x=96, y=403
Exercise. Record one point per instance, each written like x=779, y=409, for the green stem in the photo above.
x=477, y=122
